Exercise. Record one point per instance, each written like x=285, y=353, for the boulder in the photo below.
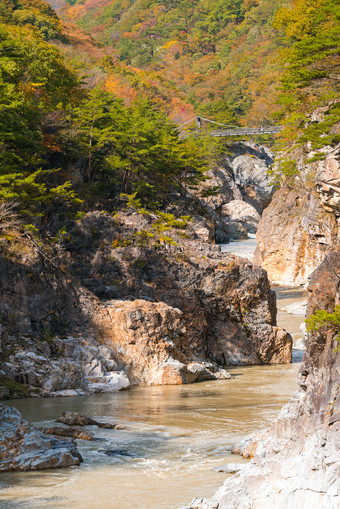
x=23, y=447
x=68, y=432
x=238, y=211
x=149, y=338
x=74, y=419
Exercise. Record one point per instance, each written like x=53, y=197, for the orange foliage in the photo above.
x=73, y=12
x=180, y=111
x=49, y=143
x=116, y=85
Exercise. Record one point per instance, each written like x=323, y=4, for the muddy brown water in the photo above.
x=174, y=438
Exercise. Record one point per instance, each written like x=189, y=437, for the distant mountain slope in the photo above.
x=219, y=54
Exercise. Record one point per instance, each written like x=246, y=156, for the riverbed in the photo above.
x=174, y=436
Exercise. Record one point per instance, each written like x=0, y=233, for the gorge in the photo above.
x=174, y=435
x=155, y=277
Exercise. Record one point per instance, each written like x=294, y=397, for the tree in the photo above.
x=310, y=79
x=133, y=149
x=324, y=321
x=30, y=87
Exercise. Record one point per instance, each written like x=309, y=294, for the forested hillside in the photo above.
x=85, y=112
x=66, y=140
x=220, y=55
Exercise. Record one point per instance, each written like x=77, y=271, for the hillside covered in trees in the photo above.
x=111, y=212
x=219, y=55
x=89, y=104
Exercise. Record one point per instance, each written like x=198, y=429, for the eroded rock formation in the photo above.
x=23, y=447
x=245, y=187
x=301, y=224
x=123, y=314
x=297, y=462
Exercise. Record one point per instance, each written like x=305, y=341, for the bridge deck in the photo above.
x=248, y=131
x=232, y=131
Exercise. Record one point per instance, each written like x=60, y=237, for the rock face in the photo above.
x=23, y=447
x=297, y=462
x=241, y=212
x=225, y=303
x=245, y=187
x=122, y=314
x=290, y=244
x=151, y=340
x=301, y=224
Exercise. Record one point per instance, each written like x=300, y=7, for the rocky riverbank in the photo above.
x=23, y=447
x=101, y=310
x=297, y=461
x=146, y=316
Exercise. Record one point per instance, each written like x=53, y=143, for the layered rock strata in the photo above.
x=297, y=462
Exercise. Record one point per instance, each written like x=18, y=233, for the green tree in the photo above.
x=33, y=82
x=324, y=321
x=312, y=30
x=133, y=149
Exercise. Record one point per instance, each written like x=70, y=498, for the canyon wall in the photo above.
x=301, y=223
x=244, y=188
x=97, y=317
x=297, y=461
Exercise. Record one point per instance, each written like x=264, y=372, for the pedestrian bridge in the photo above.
x=230, y=131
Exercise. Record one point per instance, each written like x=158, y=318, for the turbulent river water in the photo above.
x=173, y=439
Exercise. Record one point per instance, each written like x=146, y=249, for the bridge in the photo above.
x=231, y=131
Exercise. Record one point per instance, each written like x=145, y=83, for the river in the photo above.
x=174, y=438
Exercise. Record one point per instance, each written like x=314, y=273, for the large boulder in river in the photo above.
x=23, y=447
x=75, y=419
x=151, y=340
x=201, y=306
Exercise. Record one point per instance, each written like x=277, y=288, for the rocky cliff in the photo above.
x=245, y=188
x=100, y=314
x=301, y=223
x=297, y=462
